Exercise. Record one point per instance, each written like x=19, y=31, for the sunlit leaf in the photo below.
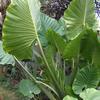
x=79, y=15
x=69, y=98
x=90, y=94
x=19, y=30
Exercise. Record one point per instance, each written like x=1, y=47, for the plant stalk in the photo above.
x=39, y=83
x=45, y=60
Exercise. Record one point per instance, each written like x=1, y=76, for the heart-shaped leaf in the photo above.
x=90, y=94
x=87, y=77
x=79, y=15
x=27, y=88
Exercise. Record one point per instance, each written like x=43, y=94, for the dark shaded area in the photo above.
x=55, y=8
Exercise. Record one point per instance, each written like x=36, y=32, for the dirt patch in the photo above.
x=6, y=94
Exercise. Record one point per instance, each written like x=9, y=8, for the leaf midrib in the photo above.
x=85, y=12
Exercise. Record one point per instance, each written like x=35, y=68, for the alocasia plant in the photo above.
x=71, y=39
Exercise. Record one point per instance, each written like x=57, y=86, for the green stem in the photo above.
x=31, y=76
x=46, y=62
x=39, y=83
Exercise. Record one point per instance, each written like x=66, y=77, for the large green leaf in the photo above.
x=90, y=47
x=89, y=44
x=90, y=94
x=79, y=15
x=69, y=98
x=19, y=30
x=87, y=77
x=21, y=23
x=67, y=49
x=5, y=58
x=27, y=88
x=56, y=40
x=72, y=48
x=50, y=23
x=47, y=23
x=96, y=56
